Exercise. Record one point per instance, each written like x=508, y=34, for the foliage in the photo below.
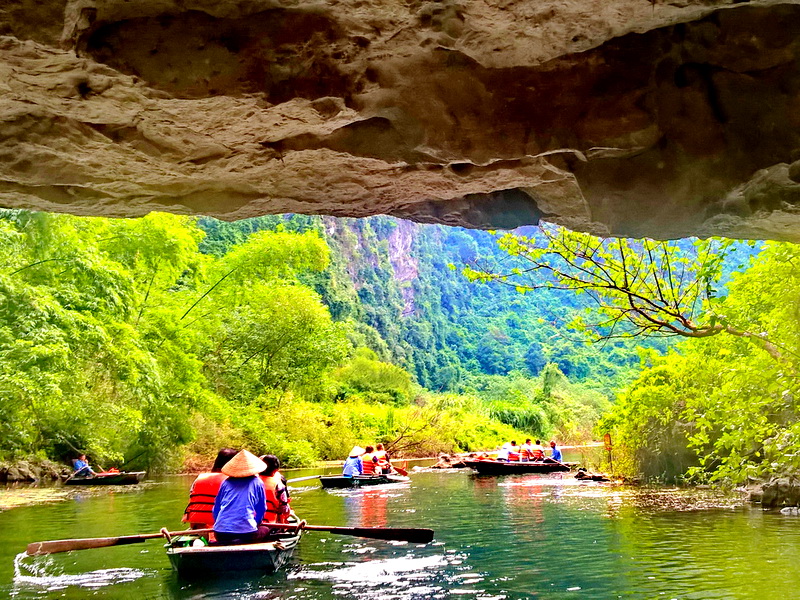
x=721, y=406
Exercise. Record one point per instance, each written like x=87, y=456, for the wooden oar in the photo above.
x=37, y=548
x=296, y=479
x=415, y=536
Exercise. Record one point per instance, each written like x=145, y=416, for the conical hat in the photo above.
x=357, y=451
x=244, y=464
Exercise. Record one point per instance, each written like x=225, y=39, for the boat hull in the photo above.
x=339, y=481
x=493, y=467
x=125, y=478
x=265, y=557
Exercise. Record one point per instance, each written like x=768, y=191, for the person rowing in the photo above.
x=241, y=503
x=82, y=468
x=352, y=466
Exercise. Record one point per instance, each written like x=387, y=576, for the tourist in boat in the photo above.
x=513, y=452
x=384, y=462
x=502, y=454
x=204, y=491
x=369, y=462
x=526, y=451
x=352, y=466
x=555, y=453
x=538, y=451
x=82, y=468
x=241, y=503
x=277, y=491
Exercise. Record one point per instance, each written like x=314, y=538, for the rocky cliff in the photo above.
x=629, y=117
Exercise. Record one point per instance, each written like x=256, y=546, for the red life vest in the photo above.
x=277, y=498
x=201, y=499
x=369, y=464
x=513, y=456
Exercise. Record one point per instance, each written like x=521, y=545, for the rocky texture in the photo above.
x=777, y=493
x=629, y=117
x=28, y=471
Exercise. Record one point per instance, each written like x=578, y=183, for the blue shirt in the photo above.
x=556, y=454
x=79, y=464
x=352, y=467
x=240, y=505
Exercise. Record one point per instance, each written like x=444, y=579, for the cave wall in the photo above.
x=617, y=117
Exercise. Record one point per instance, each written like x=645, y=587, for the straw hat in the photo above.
x=357, y=451
x=244, y=464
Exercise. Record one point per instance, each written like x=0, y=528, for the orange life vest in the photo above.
x=277, y=498
x=383, y=460
x=369, y=464
x=513, y=456
x=201, y=499
x=538, y=454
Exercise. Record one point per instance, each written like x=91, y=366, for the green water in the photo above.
x=496, y=538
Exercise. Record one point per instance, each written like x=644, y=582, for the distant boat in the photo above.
x=340, y=481
x=121, y=478
x=264, y=557
x=497, y=467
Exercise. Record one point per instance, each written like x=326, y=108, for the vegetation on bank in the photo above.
x=141, y=342
x=721, y=406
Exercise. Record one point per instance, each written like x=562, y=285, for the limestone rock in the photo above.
x=627, y=117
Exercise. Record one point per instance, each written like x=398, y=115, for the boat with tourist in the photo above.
x=193, y=555
x=108, y=478
x=499, y=467
x=341, y=481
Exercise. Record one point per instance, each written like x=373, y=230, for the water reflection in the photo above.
x=546, y=537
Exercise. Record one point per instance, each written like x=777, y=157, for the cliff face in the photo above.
x=629, y=117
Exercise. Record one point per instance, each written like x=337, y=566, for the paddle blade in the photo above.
x=51, y=547
x=415, y=536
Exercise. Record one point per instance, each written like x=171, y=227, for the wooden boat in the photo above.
x=191, y=556
x=121, y=478
x=496, y=467
x=340, y=481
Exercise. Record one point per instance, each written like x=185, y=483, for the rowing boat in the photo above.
x=191, y=556
x=496, y=467
x=122, y=478
x=340, y=481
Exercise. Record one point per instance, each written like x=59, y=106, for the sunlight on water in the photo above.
x=399, y=578
x=36, y=575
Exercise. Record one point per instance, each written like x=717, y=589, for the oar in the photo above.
x=296, y=479
x=37, y=548
x=415, y=536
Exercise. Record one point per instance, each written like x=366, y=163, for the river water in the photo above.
x=532, y=536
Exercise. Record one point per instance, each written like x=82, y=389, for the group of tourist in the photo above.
x=239, y=497
x=528, y=452
x=367, y=461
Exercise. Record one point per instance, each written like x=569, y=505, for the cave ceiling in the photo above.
x=620, y=117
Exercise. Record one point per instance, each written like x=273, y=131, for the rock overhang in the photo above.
x=617, y=117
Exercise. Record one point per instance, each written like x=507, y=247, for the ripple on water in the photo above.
x=40, y=575
x=399, y=578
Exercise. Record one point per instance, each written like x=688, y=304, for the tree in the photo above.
x=635, y=287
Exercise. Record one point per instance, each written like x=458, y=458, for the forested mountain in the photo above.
x=402, y=283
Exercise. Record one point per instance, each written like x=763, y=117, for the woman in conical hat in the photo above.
x=352, y=466
x=241, y=502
